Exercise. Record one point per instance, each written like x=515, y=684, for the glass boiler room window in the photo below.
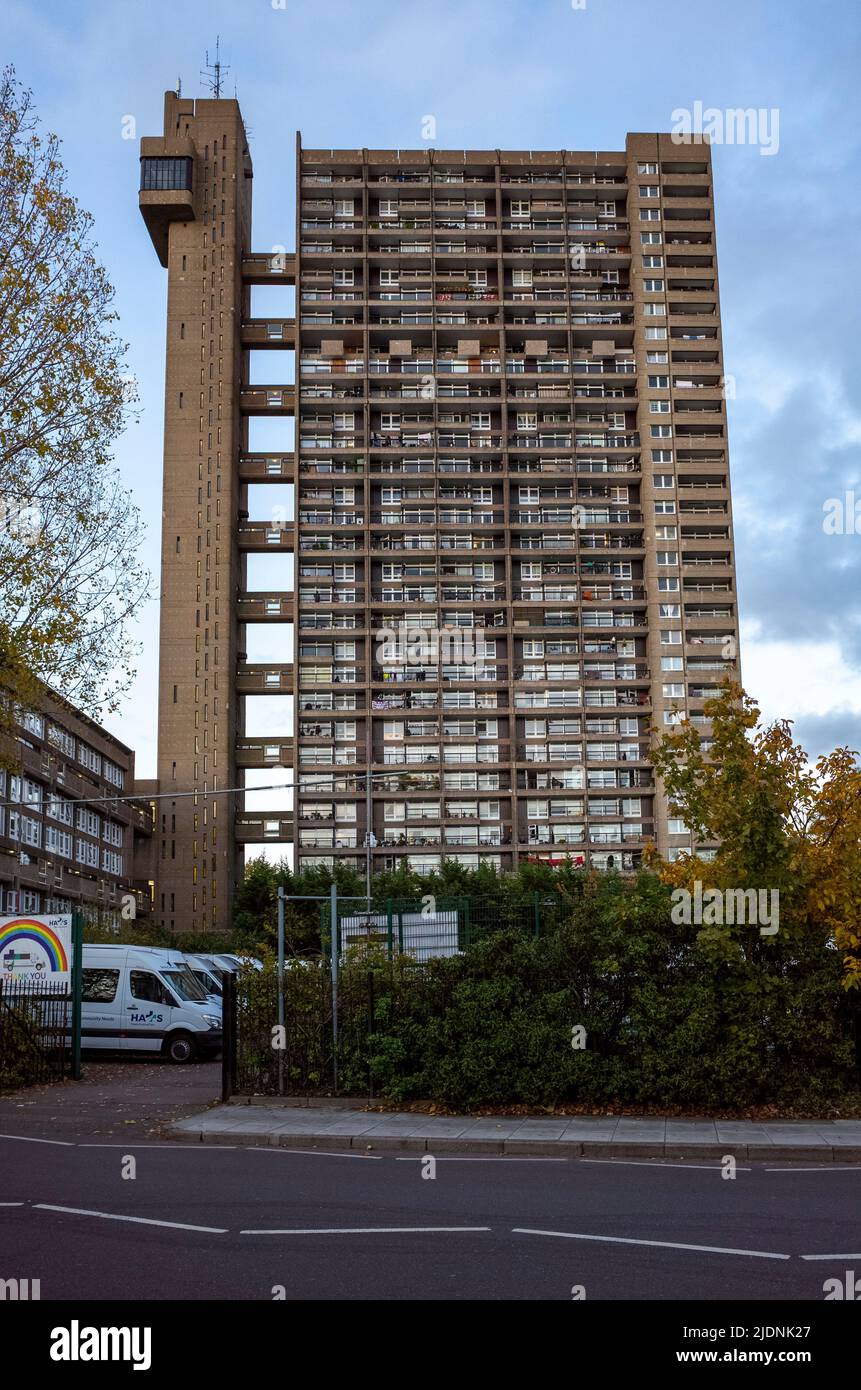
x=165, y=174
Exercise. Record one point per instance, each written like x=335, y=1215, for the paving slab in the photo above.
x=534, y=1130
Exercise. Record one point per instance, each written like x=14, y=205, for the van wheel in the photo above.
x=180, y=1047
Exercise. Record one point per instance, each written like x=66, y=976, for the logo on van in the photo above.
x=151, y=1017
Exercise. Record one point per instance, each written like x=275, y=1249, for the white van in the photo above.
x=206, y=975
x=145, y=999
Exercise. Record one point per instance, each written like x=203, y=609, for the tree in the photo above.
x=780, y=823
x=70, y=580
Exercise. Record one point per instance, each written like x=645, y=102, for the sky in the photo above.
x=534, y=74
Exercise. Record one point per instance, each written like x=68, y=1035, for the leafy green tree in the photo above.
x=70, y=578
x=780, y=823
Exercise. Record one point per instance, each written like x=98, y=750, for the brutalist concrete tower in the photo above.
x=512, y=523
x=195, y=197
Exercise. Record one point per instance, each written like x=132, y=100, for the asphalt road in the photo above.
x=239, y=1223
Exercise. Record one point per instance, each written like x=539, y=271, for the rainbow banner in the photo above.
x=35, y=947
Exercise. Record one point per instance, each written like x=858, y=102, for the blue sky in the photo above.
x=535, y=74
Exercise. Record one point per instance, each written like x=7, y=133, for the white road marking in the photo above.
x=831, y=1257
x=489, y=1158
x=366, y=1231
x=137, y=1220
x=26, y=1139
x=319, y=1153
x=179, y=1147
x=823, y=1168
x=664, y=1244
x=648, y=1163
x=13, y=1204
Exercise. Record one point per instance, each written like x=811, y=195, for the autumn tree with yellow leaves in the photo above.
x=70, y=579
x=780, y=822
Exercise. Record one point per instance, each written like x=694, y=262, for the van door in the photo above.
x=149, y=1005
x=102, y=1016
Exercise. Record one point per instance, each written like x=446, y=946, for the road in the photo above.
x=198, y=1222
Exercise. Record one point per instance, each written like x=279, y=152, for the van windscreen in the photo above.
x=186, y=985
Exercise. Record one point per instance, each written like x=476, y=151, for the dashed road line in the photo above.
x=27, y=1139
x=664, y=1244
x=368, y=1231
x=136, y=1220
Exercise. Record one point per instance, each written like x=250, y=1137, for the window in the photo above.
x=650, y=238
x=653, y=262
x=659, y=407
x=158, y=174
x=653, y=286
x=649, y=190
x=648, y=168
x=650, y=214
x=668, y=585
x=654, y=311
x=672, y=663
x=661, y=431
x=662, y=456
x=149, y=987
x=99, y=986
x=673, y=690
x=653, y=334
x=656, y=357
x=671, y=637
x=668, y=557
x=663, y=480
x=676, y=826
x=659, y=383
x=668, y=610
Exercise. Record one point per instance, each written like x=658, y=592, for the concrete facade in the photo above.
x=511, y=529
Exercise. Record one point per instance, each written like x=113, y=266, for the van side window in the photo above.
x=149, y=987
x=99, y=986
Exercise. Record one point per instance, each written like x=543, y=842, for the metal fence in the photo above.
x=436, y=926
x=256, y=1060
x=34, y=1037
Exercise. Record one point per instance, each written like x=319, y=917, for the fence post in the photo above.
x=77, y=980
x=335, y=935
x=467, y=925
x=389, y=927
x=280, y=987
x=228, y=1041
x=536, y=915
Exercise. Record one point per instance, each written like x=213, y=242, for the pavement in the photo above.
x=564, y=1136
x=134, y=1097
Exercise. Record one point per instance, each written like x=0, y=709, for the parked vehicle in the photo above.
x=146, y=999
x=206, y=974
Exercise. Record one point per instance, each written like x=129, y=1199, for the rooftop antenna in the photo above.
x=213, y=74
x=179, y=86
